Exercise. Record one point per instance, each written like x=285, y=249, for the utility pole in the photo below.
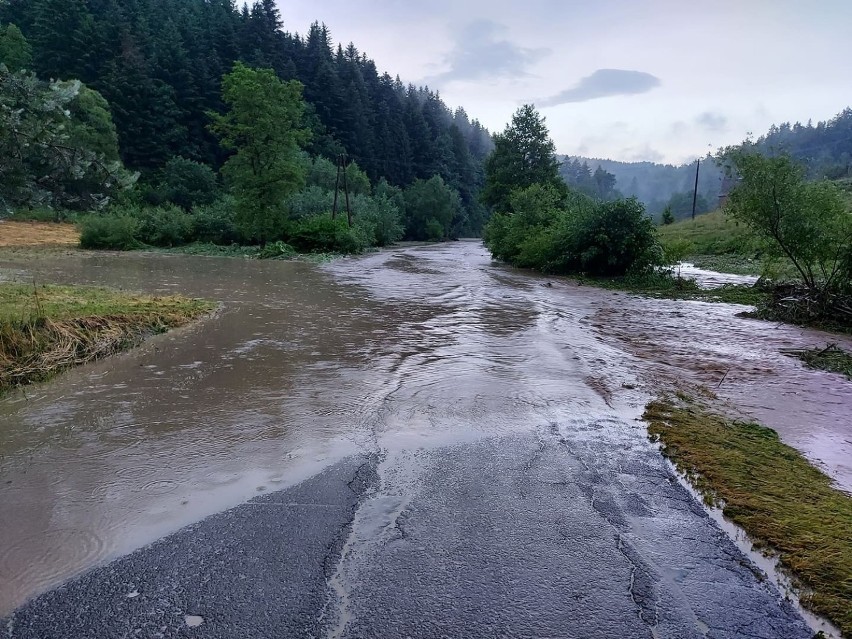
x=336, y=189
x=346, y=191
x=695, y=194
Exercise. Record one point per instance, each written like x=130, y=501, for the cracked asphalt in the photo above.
x=495, y=481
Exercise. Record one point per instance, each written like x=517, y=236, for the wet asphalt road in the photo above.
x=544, y=535
x=476, y=468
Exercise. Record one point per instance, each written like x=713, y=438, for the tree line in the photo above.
x=159, y=65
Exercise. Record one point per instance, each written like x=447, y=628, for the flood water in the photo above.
x=305, y=364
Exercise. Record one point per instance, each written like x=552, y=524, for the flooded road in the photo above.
x=475, y=397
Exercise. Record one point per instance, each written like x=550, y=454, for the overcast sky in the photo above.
x=659, y=80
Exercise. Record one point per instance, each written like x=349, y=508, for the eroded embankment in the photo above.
x=787, y=507
x=47, y=329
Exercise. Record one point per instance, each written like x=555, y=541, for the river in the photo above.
x=406, y=350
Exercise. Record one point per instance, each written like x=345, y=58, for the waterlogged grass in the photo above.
x=669, y=286
x=787, y=506
x=46, y=329
x=832, y=359
x=276, y=251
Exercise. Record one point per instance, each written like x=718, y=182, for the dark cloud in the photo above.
x=712, y=121
x=482, y=53
x=604, y=83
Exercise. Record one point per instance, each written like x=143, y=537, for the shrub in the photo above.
x=550, y=232
x=162, y=225
x=320, y=234
x=379, y=219
x=613, y=238
x=216, y=223
x=116, y=232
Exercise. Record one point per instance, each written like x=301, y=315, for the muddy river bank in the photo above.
x=415, y=349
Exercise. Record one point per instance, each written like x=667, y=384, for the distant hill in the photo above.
x=657, y=185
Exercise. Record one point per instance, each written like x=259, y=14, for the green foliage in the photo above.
x=114, y=232
x=15, y=52
x=574, y=234
x=276, y=251
x=380, y=219
x=311, y=201
x=216, y=223
x=430, y=207
x=263, y=127
x=43, y=160
x=668, y=216
x=188, y=184
x=324, y=174
x=320, y=234
x=523, y=155
x=809, y=223
x=612, y=238
x=160, y=226
x=91, y=125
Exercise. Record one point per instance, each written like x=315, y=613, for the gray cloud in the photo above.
x=481, y=52
x=604, y=83
x=712, y=121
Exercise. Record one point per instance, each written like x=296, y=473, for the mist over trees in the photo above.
x=657, y=186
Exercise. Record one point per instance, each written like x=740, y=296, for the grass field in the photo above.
x=14, y=233
x=787, y=507
x=46, y=329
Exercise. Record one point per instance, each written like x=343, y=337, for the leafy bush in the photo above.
x=216, y=223
x=613, y=238
x=320, y=234
x=808, y=223
x=160, y=226
x=574, y=234
x=116, y=232
x=380, y=220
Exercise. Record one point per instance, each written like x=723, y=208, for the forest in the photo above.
x=156, y=68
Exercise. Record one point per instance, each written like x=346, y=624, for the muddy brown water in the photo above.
x=305, y=364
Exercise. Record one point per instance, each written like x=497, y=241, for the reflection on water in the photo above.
x=305, y=364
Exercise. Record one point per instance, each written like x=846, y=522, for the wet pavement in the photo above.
x=435, y=445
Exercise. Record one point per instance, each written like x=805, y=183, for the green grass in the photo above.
x=831, y=358
x=46, y=329
x=787, y=506
x=710, y=234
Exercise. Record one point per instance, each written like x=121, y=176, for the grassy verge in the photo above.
x=832, y=359
x=787, y=506
x=47, y=329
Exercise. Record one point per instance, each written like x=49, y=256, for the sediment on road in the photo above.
x=47, y=329
x=788, y=507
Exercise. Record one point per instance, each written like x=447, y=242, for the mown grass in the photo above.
x=47, y=329
x=831, y=358
x=787, y=507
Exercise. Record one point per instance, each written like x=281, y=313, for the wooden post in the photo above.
x=346, y=191
x=336, y=189
x=695, y=194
